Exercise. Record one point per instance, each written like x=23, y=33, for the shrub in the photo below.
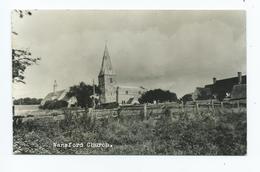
x=158, y=95
x=54, y=104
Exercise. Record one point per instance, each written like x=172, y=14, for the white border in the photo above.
x=28, y=163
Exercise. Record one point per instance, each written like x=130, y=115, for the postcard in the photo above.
x=129, y=82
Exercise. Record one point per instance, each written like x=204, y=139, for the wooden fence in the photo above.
x=155, y=110
x=143, y=110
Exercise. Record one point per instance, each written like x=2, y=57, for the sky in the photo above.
x=171, y=50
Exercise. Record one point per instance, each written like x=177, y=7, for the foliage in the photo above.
x=83, y=92
x=21, y=58
x=186, y=98
x=206, y=133
x=204, y=95
x=27, y=101
x=157, y=95
x=54, y=104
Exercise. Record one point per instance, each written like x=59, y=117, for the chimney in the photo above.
x=239, y=76
x=214, y=80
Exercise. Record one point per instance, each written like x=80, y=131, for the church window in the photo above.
x=139, y=92
x=126, y=92
x=111, y=80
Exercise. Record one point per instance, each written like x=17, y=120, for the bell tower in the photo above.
x=107, y=79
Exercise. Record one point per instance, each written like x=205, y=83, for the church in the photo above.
x=110, y=91
x=107, y=82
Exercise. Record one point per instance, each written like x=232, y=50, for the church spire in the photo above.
x=106, y=67
x=55, y=85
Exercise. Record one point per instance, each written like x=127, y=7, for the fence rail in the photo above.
x=144, y=110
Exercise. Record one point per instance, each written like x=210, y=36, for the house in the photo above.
x=238, y=92
x=233, y=88
x=223, y=88
x=60, y=95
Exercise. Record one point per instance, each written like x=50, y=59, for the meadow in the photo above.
x=218, y=132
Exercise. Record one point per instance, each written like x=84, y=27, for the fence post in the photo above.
x=145, y=111
x=197, y=107
x=238, y=104
x=222, y=105
x=212, y=104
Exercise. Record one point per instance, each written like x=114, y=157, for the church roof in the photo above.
x=58, y=95
x=131, y=87
x=106, y=67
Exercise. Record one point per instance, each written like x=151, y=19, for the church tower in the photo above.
x=107, y=80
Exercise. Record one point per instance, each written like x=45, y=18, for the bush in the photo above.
x=158, y=95
x=55, y=104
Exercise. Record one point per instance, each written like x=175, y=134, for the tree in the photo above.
x=186, y=97
x=21, y=59
x=158, y=95
x=27, y=101
x=83, y=92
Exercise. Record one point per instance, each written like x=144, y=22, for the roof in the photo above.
x=55, y=95
x=131, y=87
x=106, y=66
x=58, y=95
x=225, y=85
x=238, y=92
x=132, y=100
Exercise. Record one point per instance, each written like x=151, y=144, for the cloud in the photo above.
x=176, y=50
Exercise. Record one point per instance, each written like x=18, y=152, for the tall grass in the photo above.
x=204, y=133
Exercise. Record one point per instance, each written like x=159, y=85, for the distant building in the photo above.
x=128, y=95
x=107, y=80
x=223, y=88
x=202, y=94
x=110, y=91
x=60, y=95
x=238, y=92
x=229, y=88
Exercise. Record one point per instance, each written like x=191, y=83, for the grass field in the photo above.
x=219, y=132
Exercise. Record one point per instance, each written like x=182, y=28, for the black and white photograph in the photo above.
x=129, y=82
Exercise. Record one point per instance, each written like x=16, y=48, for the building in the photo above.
x=128, y=94
x=233, y=88
x=201, y=93
x=60, y=95
x=110, y=91
x=107, y=80
x=238, y=92
x=223, y=88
